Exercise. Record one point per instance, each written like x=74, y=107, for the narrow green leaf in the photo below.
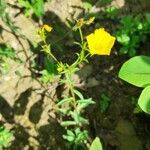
x=65, y=100
x=70, y=133
x=78, y=94
x=68, y=123
x=83, y=120
x=81, y=136
x=136, y=71
x=75, y=116
x=89, y=100
x=144, y=100
x=63, y=111
x=96, y=144
x=68, y=138
x=84, y=103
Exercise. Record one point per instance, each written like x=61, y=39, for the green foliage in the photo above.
x=87, y=6
x=6, y=53
x=144, y=100
x=105, y=2
x=35, y=6
x=5, y=137
x=137, y=72
x=104, y=103
x=7, y=20
x=2, y=7
x=49, y=73
x=111, y=12
x=76, y=118
x=96, y=144
x=76, y=137
x=131, y=32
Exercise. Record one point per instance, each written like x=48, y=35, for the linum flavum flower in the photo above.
x=47, y=28
x=100, y=42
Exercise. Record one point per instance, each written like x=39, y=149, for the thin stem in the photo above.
x=71, y=88
x=81, y=35
x=48, y=51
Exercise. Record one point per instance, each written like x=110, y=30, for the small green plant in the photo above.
x=104, y=103
x=137, y=72
x=72, y=106
x=5, y=137
x=33, y=6
x=6, y=19
x=6, y=53
x=131, y=32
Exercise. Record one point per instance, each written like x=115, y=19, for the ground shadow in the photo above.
x=6, y=110
x=22, y=101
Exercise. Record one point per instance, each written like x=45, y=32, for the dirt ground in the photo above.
x=27, y=107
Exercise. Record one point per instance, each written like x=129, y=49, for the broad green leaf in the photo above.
x=50, y=66
x=136, y=71
x=144, y=100
x=96, y=144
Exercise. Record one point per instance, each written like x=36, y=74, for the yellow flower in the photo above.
x=100, y=42
x=47, y=28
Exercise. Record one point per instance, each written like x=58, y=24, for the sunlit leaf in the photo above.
x=136, y=71
x=144, y=100
x=96, y=144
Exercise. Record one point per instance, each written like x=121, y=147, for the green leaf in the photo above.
x=63, y=111
x=96, y=144
x=49, y=65
x=5, y=137
x=38, y=8
x=83, y=120
x=87, y=6
x=68, y=123
x=75, y=116
x=104, y=103
x=70, y=133
x=68, y=138
x=65, y=100
x=144, y=100
x=81, y=136
x=84, y=103
x=136, y=71
x=79, y=94
x=123, y=39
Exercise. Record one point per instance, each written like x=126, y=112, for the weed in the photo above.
x=5, y=137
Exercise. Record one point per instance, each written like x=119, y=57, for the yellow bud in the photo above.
x=47, y=28
x=91, y=20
